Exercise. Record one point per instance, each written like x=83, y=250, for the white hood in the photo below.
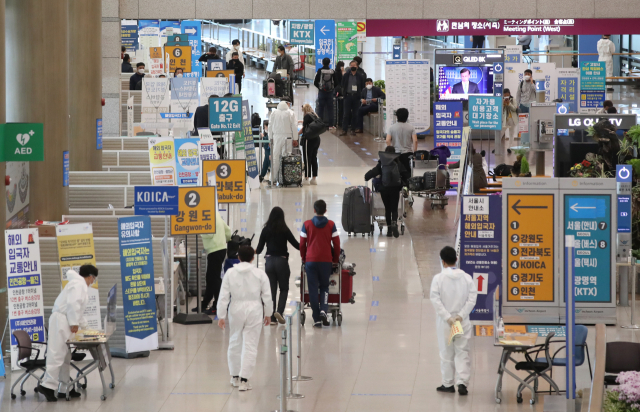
x=453, y=292
x=283, y=106
x=245, y=286
x=283, y=123
x=453, y=273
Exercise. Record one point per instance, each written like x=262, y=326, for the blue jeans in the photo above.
x=266, y=163
x=318, y=274
x=524, y=109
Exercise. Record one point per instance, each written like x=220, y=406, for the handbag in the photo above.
x=315, y=128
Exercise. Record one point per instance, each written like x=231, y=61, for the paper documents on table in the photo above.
x=456, y=329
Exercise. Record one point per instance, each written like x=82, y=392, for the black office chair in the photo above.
x=30, y=366
x=537, y=368
x=620, y=357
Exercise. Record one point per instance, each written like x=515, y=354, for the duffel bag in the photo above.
x=416, y=183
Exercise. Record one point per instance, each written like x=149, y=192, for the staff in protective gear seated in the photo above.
x=453, y=295
x=66, y=318
x=247, y=287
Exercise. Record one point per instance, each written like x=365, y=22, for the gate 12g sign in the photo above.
x=225, y=114
x=230, y=179
x=196, y=211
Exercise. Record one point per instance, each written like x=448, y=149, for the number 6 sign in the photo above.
x=225, y=114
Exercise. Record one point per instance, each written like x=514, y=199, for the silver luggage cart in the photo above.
x=378, y=212
x=435, y=195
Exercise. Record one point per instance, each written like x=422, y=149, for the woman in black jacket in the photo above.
x=275, y=235
x=309, y=146
x=390, y=194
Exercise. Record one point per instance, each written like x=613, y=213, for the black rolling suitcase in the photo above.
x=356, y=210
x=291, y=170
x=429, y=180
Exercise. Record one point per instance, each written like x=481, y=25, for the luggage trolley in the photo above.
x=436, y=194
x=342, y=280
x=378, y=211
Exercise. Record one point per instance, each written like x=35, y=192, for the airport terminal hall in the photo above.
x=315, y=206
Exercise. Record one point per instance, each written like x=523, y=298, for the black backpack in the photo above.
x=234, y=244
x=326, y=80
x=502, y=170
x=390, y=169
x=315, y=128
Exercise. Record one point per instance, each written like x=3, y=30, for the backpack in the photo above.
x=234, y=244
x=502, y=170
x=326, y=80
x=390, y=169
x=315, y=129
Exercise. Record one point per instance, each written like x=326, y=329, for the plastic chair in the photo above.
x=620, y=357
x=537, y=368
x=30, y=366
x=580, y=349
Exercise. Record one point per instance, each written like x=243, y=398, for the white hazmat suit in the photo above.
x=283, y=124
x=68, y=311
x=453, y=292
x=248, y=289
x=606, y=48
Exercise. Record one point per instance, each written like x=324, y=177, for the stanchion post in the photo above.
x=633, y=296
x=290, y=394
x=283, y=375
x=299, y=376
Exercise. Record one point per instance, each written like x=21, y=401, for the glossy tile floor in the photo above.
x=384, y=357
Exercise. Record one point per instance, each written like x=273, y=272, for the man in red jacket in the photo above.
x=316, y=239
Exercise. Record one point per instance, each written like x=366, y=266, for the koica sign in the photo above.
x=22, y=142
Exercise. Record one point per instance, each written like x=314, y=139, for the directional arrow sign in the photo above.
x=324, y=30
x=191, y=30
x=576, y=207
x=516, y=207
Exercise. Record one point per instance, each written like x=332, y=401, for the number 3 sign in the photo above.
x=225, y=114
x=230, y=179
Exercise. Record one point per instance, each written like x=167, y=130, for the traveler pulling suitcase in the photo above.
x=356, y=210
x=291, y=170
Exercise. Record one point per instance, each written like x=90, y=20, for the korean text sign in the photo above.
x=347, y=32
x=187, y=161
x=24, y=287
x=325, y=43
x=481, y=249
x=138, y=284
x=76, y=248
x=179, y=57
x=163, y=161
x=448, y=124
x=530, y=243
x=196, y=211
x=230, y=179
x=568, y=85
x=592, y=76
x=249, y=146
x=194, y=31
x=301, y=32
x=225, y=114
x=588, y=219
x=485, y=113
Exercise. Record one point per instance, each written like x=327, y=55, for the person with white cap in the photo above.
x=66, y=318
x=248, y=290
x=453, y=296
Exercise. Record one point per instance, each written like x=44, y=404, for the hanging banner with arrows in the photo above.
x=481, y=249
x=530, y=243
x=325, y=41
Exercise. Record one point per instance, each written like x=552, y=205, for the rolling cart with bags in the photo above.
x=434, y=179
x=378, y=210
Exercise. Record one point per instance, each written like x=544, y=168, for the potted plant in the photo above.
x=626, y=397
x=521, y=165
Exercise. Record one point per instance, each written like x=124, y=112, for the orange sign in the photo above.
x=196, y=211
x=530, y=248
x=155, y=52
x=230, y=178
x=179, y=57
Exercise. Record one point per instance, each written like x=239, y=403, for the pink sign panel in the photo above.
x=505, y=27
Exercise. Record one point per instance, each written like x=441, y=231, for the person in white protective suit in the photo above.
x=248, y=289
x=606, y=48
x=453, y=295
x=283, y=124
x=66, y=318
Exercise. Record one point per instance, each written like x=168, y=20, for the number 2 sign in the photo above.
x=196, y=211
x=225, y=114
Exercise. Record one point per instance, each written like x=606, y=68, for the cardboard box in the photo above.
x=45, y=230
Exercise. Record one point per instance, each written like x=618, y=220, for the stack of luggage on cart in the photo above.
x=275, y=87
x=430, y=176
x=340, y=289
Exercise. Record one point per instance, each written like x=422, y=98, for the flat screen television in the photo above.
x=451, y=86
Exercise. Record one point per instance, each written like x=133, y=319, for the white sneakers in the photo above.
x=235, y=382
x=244, y=386
x=313, y=181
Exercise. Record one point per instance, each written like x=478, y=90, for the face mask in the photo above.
x=236, y=47
x=353, y=69
x=179, y=75
x=141, y=71
x=527, y=78
x=369, y=86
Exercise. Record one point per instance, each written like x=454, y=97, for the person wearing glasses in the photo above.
x=66, y=319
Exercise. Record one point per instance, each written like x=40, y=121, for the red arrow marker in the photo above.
x=480, y=282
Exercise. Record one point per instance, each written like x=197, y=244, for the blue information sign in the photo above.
x=194, y=30
x=624, y=214
x=481, y=249
x=624, y=174
x=249, y=146
x=396, y=52
x=588, y=219
x=65, y=168
x=187, y=161
x=447, y=128
x=568, y=90
x=98, y=134
x=138, y=288
x=498, y=76
x=129, y=35
x=591, y=99
x=592, y=76
x=156, y=200
x=485, y=113
x=225, y=114
x=325, y=41
x=301, y=32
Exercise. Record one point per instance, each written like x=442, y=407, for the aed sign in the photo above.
x=22, y=142
x=156, y=200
